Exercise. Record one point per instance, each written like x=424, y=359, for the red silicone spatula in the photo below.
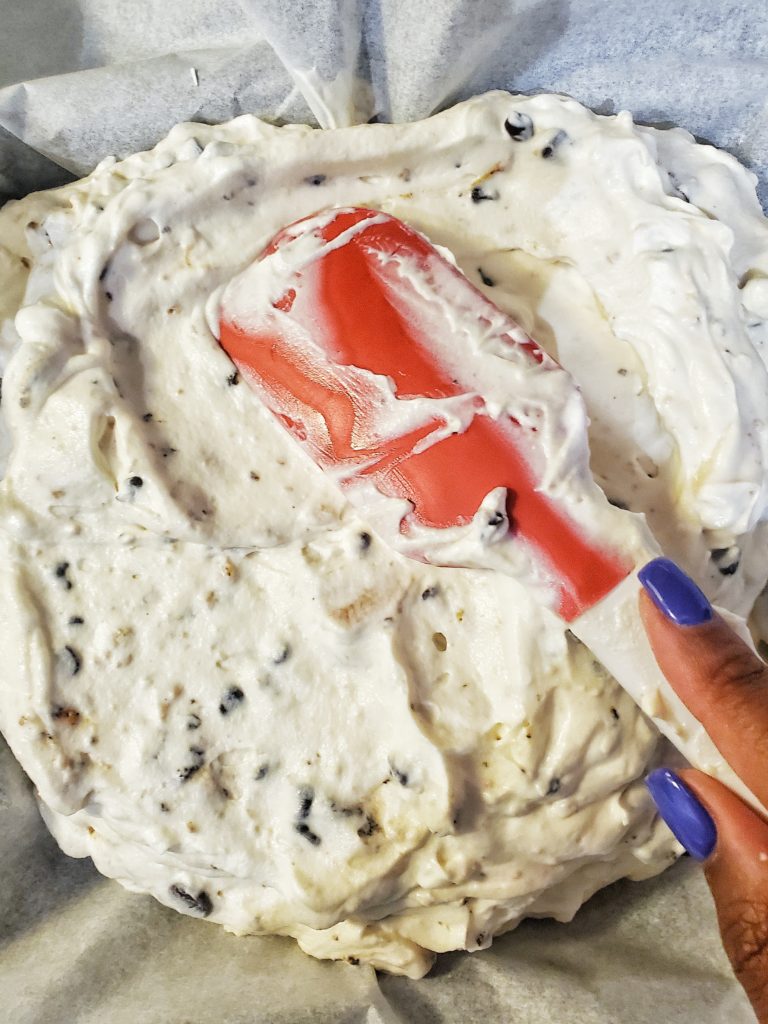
x=449, y=427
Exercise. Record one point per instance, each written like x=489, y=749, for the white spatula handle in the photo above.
x=614, y=633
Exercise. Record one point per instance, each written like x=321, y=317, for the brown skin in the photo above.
x=725, y=685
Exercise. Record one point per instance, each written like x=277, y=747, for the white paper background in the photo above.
x=81, y=79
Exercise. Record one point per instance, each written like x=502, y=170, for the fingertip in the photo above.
x=685, y=815
x=674, y=593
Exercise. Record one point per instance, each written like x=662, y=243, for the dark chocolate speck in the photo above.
x=233, y=378
x=283, y=656
x=306, y=799
x=481, y=196
x=370, y=826
x=231, y=699
x=519, y=126
x=554, y=787
x=487, y=281
x=304, y=830
x=315, y=179
x=727, y=560
x=61, y=573
x=200, y=904
x=198, y=760
x=554, y=144
x=72, y=660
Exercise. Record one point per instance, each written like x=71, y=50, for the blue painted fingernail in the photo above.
x=689, y=821
x=674, y=593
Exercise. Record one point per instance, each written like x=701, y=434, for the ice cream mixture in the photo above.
x=226, y=689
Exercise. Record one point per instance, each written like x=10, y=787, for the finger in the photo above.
x=717, y=676
x=710, y=820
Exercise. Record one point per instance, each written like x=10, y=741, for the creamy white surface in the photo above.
x=415, y=734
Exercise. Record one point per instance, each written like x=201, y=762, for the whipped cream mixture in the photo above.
x=227, y=690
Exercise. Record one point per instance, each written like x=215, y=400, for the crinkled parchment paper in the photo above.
x=82, y=79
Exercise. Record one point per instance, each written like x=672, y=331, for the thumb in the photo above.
x=706, y=816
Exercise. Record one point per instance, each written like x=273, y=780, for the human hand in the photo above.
x=725, y=685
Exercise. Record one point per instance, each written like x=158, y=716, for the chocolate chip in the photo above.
x=200, y=904
x=615, y=714
x=487, y=281
x=402, y=777
x=61, y=573
x=72, y=660
x=304, y=830
x=136, y=481
x=554, y=144
x=147, y=417
x=75, y=620
x=231, y=699
x=497, y=519
x=368, y=829
x=519, y=126
x=261, y=772
x=554, y=787
x=480, y=196
x=315, y=179
x=198, y=761
x=365, y=541
x=193, y=722
x=306, y=799
x=233, y=378
x=283, y=656
x=432, y=591
x=727, y=560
